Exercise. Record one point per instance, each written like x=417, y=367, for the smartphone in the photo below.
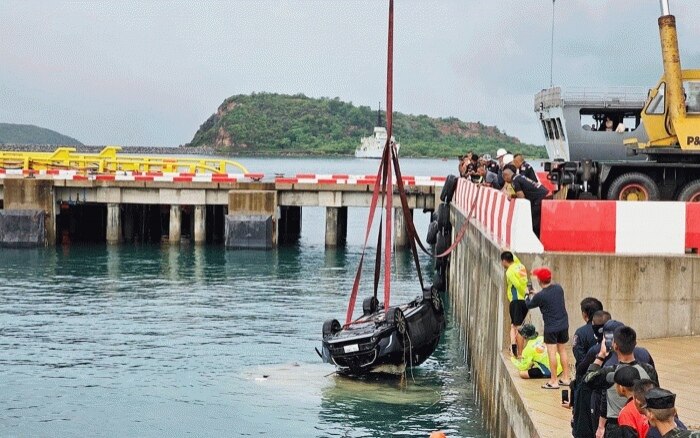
x=564, y=396
x=529, y=286
x=608, y=340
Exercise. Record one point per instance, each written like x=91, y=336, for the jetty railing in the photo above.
x=110, y=161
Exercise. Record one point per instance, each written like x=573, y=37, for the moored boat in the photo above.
x=373, y=146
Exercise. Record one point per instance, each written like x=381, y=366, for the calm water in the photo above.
x=158, y=341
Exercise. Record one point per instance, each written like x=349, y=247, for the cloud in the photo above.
x=149, y=73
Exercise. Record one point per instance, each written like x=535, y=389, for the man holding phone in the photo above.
x=550, y=300
x=623, y=343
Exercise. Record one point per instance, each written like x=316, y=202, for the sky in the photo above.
x=148, y=73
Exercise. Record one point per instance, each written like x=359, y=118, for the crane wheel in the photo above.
x=690, y=192
x=634, y=186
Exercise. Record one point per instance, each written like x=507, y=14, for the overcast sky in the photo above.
x=150, y=72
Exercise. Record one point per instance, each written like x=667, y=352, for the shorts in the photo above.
x=518, y=312
x=536, y=373
x=560, y=337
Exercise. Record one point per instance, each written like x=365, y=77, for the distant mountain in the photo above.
x=11, y=133
x=278, y=124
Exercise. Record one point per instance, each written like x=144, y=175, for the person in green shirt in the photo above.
x=535, y=362
x=516, y=289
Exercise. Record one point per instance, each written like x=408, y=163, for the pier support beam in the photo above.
x=200, y=224
x=290, y=224
x=175, y=231
x=401, y=228
x=114, y=224
x=252, y=219
x=336, y=226
x=32, y=194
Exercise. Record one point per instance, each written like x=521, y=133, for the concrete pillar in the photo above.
x=175, y=223
x=252, y=219
x=200, y=224
x=32, y=194
x=289, y=224
x=401, y=228
x=336, y=226
x=114, y=224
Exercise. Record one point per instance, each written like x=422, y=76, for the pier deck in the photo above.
x=677, y=361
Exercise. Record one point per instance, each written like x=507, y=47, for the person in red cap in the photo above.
x=550, y=300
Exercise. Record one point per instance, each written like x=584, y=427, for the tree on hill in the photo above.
x=265, y=123
x=11, y=133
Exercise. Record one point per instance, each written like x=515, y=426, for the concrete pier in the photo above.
x=674, y=358
x=175, y=232
x=200, y=224
x=154, y=207
x=634, y=289
x=336, y=226
x=401, y=228
x=114, y=226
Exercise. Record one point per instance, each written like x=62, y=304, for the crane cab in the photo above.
x=685, y=132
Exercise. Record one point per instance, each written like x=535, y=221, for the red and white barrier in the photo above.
x=312, y=178
x=508, y=222
x=620, y=227
x=185, y=177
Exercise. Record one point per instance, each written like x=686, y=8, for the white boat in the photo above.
x=373, y=146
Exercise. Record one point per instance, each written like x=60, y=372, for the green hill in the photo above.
x=11, y=133
x=277, y=124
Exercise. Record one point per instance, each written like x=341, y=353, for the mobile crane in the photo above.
x=671, y=120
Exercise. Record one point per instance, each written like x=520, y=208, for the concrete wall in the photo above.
x=32, y=194
x=478, y=308
x=658, y=296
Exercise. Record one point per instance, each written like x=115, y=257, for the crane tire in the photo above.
x=690, y=192
x=634, y=186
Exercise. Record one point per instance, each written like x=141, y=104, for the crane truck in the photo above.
x=671, y=121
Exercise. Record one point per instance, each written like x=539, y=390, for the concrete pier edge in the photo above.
x=635, y=289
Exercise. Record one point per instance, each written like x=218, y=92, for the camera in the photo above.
x=608, y=336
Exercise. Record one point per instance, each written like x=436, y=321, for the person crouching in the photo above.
x=535, y=361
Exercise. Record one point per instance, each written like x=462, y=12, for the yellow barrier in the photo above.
x=108, y=161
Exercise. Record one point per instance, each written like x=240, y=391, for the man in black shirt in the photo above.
x=550, y=300
x=524, y=168
x=528, y=189
x=584, y=337
x=491, y=164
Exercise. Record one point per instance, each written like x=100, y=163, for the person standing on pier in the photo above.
x=661, y=413
x=624, y=341
x=530, y=190
x=516, y=288
x=524, y=168
x=550, y=300
x=584, y=337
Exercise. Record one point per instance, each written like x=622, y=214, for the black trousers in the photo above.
x=536, y=209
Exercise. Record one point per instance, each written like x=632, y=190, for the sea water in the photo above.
x=180, y=340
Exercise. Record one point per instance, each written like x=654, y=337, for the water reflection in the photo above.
x=174, y=328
